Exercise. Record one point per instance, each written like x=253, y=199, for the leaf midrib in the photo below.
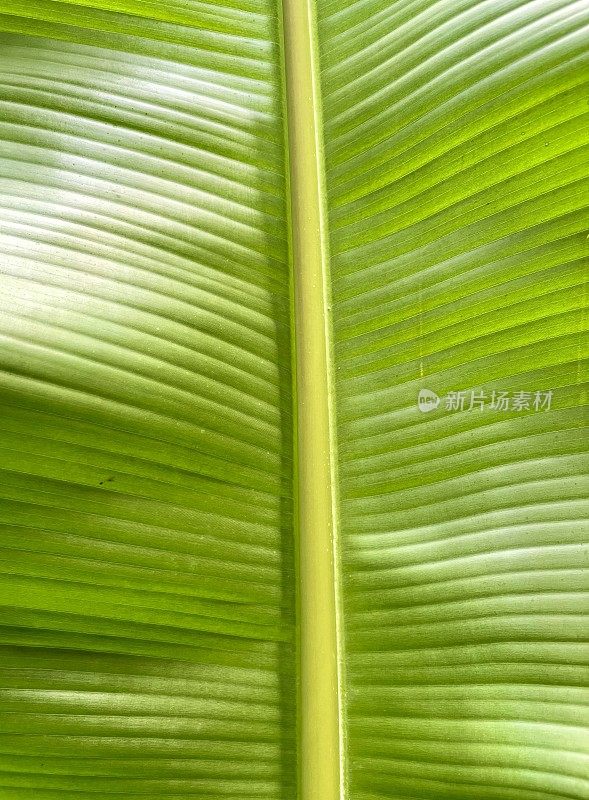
x=321, y=770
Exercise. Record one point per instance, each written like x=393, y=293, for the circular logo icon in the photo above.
x=427, y=400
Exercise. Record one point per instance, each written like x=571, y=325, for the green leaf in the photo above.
x=456, y=148
x=238, y=239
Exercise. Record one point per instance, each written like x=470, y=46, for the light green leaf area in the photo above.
x=148, y=634
x=147, y=596
x=456, y=142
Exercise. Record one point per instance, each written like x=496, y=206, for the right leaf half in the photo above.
x=455, y=137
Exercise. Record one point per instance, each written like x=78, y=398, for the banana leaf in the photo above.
x=292, y=378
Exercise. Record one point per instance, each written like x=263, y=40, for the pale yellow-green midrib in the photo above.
x=320, y=745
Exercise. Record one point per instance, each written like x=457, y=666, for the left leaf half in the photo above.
x=146, y=587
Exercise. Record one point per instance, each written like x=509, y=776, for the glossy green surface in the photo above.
x=456, y=148
x=151, y=555
x=147, y=594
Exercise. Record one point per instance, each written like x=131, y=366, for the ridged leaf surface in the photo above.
x=147, y=602
x=456, y=146
x=148, y=635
